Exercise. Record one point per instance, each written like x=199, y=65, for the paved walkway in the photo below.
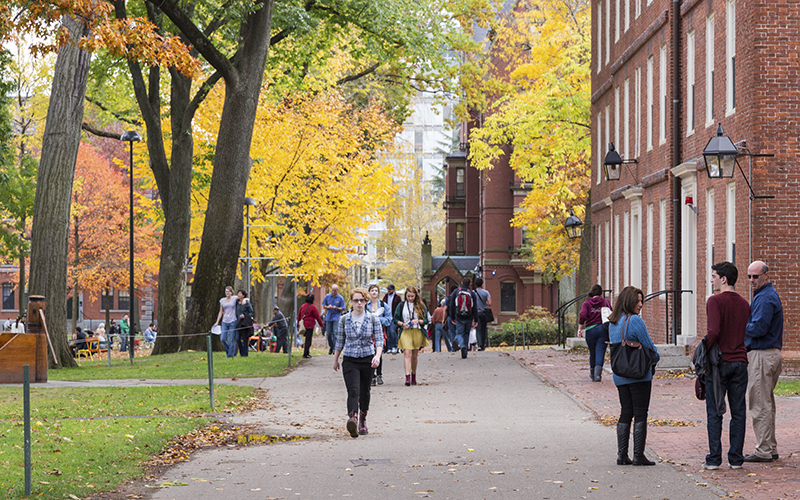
x=481, y=427
x=682, y=438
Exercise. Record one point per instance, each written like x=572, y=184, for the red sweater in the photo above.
x=727, y=314
x=308, y=314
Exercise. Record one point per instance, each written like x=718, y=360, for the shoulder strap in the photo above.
x=625, y=327
x=480, y=298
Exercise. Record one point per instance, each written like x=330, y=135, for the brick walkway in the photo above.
x=677, y=432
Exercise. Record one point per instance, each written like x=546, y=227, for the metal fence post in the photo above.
x=26, y=415
x=210, y=370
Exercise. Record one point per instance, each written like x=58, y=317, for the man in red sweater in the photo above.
x=727, y=314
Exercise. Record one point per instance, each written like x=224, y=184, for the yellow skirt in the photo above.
x=412, y=338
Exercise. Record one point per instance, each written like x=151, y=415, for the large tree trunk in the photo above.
x=177, y=223
x=54, y=187
x=222, y=232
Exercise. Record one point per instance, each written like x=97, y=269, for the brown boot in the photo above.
x=352, y=425
x=362, y=423
x=413, y=379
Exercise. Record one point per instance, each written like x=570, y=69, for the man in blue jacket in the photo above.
x=763, y=340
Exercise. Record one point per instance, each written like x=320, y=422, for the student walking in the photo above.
x=306, y=317
x=411, y=318
x=591, y=322
x=359, y=338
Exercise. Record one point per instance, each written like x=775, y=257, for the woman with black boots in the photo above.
x=360, y=338
x=634, y=394
x=591, y=322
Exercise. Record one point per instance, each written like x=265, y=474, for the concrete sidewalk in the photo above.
x=679, y=434
x=481, y=427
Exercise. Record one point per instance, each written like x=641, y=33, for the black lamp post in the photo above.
x=574, y=226
x=720, y=157
x=130, y=137
x=613, y=163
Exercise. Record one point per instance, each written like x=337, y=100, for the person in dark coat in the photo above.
x=281, y=330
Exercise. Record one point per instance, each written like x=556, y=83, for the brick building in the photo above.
x=479, y=240
x=664, y=75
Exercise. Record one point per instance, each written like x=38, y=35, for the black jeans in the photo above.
x=243, y=335
x=734, y=383
x=635, y=401
x=482, y=333
x=307, y=342
x=357, y=373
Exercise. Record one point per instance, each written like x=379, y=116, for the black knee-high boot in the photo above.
x=623, y=436
x=639, y=439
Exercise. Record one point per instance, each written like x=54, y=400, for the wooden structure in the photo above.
x=17, y=350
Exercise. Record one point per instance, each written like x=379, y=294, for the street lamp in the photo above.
x=130, y=137
x=573, y=225
x=720, y=156
x=613, y=163
x=248, y=202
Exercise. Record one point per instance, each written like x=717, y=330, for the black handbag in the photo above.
x=487, y=314
x=629, y=359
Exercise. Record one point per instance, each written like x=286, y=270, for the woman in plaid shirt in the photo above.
x=360, y=338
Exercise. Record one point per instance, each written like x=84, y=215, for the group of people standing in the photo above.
x=458, y=314
x=740, y=356
x=236, y=320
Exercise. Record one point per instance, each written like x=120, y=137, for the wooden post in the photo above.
x=35, y=327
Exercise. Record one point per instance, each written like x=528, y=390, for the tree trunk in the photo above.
x=177, y=223
x=224, y=225
x=60, y=143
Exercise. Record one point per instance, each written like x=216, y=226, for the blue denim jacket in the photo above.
x=637, y=331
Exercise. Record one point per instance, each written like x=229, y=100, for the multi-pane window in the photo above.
x=650, y=103
x=460, y=238
x=730, y=223
x=460, y=189
x=637, y=113
x=690, y=84
x=508, y=297
x=626, y=112
x=730, y=56
x=710, y=69
x=616, y=20
x=8, y=296
x=107, y=299
x=599, y=147
x=662, y=95
x=608, y=31
x=123, y=300
x=599, y=36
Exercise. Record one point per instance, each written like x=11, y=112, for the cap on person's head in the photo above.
x=275, y=308
x=390, y=287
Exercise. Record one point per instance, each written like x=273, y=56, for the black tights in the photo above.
x=635, y=401
x=357, y=374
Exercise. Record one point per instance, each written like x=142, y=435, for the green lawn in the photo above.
x=85, y=440
x=787, y=388
x=182, y=365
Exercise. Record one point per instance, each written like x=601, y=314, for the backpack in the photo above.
x=463, y=303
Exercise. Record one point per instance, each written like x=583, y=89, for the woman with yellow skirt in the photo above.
x=411, y=319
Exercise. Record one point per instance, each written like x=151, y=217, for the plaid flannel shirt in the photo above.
x=361, y=343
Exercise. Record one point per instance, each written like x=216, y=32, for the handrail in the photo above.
x=666, y=310
x=561, y=311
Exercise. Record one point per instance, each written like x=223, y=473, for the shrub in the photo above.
x=537, y=331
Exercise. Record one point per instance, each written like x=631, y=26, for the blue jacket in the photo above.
x=765, y=326
x=384, y=313
x=637, y=331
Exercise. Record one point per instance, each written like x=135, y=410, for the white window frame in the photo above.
x=710, y=238
x=608, y=125
x=626, y=247
x=662, y=95
x=730, y=57
x=616, y=255
x=608, y=31
x=616, y=20
x=638, y=8
x=599, y=36
x=599, y=146
x=636, y=243
x=599, y=243
x=626, y=112
x=690, y=82
x=662, y=247
x=608, y=254
x=627, y=15
x=649, y=288
x=637, y=113
x=730, y=222
x=710, y=70
x=649, y=109
x=616, y=118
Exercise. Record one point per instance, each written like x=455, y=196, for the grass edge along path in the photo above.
x=88, y=440
x=182, y=365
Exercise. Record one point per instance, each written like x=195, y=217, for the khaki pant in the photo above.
x=763, y=370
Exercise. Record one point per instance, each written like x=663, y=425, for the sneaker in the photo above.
x=710, y=466
x=755, y=458
x=736, y=466
x=380, y=380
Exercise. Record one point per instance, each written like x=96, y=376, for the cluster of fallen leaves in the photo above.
x=181, y=448
x=612, y=421
x=673, y=373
